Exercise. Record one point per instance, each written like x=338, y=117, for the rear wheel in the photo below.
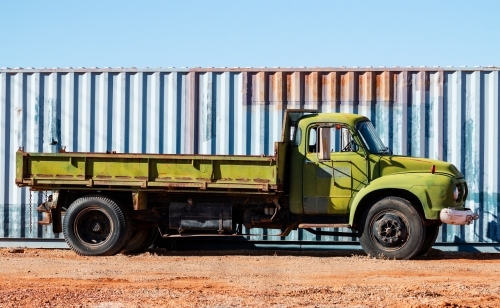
x=96, y=226
x=392, y=229
x=141, y=240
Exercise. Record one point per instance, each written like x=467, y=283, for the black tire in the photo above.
x=141, y=240
x=392, y=228
x=96, y=226
x=431, y=234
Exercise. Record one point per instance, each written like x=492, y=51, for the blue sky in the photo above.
x=248, y=33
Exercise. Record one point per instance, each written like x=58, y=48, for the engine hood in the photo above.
x=406, y=164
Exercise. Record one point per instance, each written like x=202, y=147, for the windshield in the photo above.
x=370, y=138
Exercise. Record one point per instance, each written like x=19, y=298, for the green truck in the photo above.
x=330, y=170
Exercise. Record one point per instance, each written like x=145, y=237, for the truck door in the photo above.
x=334, y=169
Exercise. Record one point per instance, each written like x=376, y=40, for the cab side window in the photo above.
x=313, y=140
x=345, y=141
x=341, y=139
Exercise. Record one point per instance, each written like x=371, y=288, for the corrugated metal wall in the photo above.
x=450, y=114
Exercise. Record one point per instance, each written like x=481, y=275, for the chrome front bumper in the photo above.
x=457, y=217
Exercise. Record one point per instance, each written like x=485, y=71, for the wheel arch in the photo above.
x=120, y=197
x=373, y=197
x=67, y=197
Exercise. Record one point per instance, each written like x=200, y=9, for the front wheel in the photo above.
x=96, y=226
x=392, y=229
x=431, y=234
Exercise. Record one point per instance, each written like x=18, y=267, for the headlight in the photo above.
x=456, y=192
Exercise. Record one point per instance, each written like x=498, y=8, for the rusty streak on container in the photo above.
x=312, y=89
x=295, y=90
x=348, y=90
x=365, y=87
x=276, y=89
x=330, y=90
x=258, y=88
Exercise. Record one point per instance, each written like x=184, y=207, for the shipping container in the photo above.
x=450, y=114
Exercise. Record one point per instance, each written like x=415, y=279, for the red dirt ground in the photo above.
x=160, y=278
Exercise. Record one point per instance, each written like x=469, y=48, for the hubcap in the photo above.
x=389, y=230
x=93, y=226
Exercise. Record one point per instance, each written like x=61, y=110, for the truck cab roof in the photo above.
x=347, y=118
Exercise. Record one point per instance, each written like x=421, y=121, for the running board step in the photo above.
x=331, y=233
x=306, y=226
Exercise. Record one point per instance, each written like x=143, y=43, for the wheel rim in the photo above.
x=389, y=230
x=93, y=226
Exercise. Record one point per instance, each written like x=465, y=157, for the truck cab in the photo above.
x=334, y=167
x=341, y=168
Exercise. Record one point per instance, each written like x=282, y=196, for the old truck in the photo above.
x=329, y=170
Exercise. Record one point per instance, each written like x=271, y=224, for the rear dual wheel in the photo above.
x=141, y=240
x=96, y=226
x=392, y=229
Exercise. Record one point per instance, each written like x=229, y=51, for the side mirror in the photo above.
x=324, y=143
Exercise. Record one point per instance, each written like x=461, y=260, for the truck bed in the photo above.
x=203, y=173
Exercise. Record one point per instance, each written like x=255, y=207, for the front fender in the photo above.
x=435, y=191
